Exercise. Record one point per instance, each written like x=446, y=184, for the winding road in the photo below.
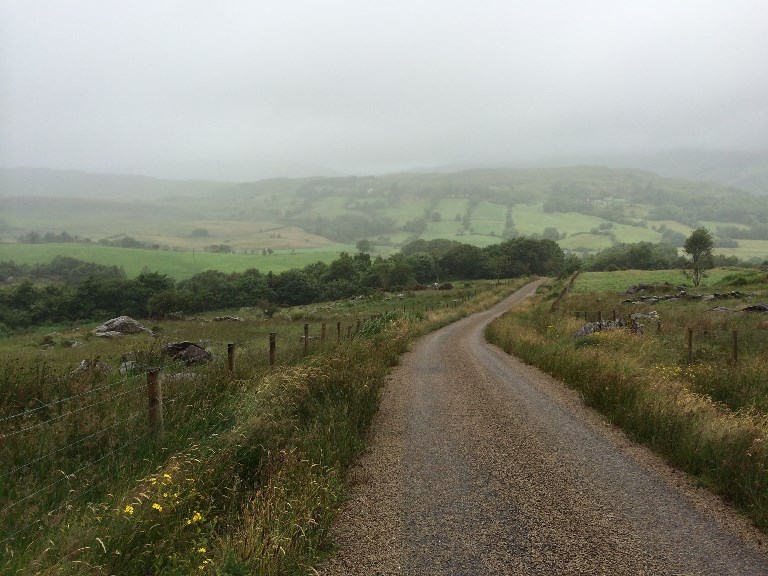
x=480, y=464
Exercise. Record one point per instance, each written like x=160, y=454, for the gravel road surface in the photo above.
x=480, y=464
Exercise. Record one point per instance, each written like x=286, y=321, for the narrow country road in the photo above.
x=482, y=465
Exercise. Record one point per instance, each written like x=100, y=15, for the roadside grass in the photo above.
x=249, y=469
x=708, y=417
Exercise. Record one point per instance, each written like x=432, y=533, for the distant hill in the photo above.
x=585, y=208
x=743, y=170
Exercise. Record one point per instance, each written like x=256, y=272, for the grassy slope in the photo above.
x=620, y=281
x=177, y=265
x=250, y=216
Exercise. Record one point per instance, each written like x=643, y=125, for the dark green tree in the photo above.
x=698, y=248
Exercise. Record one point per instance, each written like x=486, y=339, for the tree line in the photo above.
x=68, y=289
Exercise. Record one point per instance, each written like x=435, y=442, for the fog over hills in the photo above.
x=240, y=91
x=746, y=171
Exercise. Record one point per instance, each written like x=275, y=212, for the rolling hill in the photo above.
x=585, y=208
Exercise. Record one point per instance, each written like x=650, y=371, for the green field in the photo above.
x=290, y=214
x=177, y=265
x=620, y=281
x=449, y=208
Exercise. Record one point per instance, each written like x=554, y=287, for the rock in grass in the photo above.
x=187, y=352
x=121, y=325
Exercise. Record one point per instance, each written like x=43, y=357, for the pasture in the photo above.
x=283, y=214
x=176, y=264
x=619, y=281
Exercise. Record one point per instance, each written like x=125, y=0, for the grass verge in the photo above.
x=249, y=473
x=707, y=417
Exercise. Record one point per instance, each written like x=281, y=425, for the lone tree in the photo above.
x=364, y=246
x=698, y=248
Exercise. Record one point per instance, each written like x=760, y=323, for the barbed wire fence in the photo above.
x=696, y=343
x=58, y=455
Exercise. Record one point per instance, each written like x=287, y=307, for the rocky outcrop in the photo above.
x=94, y=366
x=119, y=326
x=187, y=352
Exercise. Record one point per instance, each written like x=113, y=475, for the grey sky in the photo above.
x=243, y=89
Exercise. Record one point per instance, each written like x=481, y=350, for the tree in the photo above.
x=363, y=245
x=698, y=247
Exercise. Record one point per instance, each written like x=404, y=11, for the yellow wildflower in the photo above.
x=196, y=517
x=128, y=509
x=157, y=507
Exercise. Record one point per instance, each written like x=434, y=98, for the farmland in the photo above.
x=176, y=264
x=586, y=209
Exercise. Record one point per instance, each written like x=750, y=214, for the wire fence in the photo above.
x=696, y=343
x=57, y=456
x=71, y=439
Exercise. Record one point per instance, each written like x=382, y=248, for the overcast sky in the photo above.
x=242, y=89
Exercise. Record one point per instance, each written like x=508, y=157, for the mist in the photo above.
x=243, y=90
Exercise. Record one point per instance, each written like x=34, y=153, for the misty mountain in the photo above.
x=746, y=171
x=743, y=170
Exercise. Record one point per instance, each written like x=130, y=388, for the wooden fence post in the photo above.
x=349, y=332
x=231, y=359
x=272, y=346
x=155, y=404
x=735, y=346
x=322, y=332
x=690, y=345
x=338, y=332
x=306, y=338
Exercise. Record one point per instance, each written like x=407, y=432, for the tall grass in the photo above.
x=708, y=417
x=248, y=471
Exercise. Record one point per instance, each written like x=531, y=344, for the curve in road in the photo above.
x=480, y=464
